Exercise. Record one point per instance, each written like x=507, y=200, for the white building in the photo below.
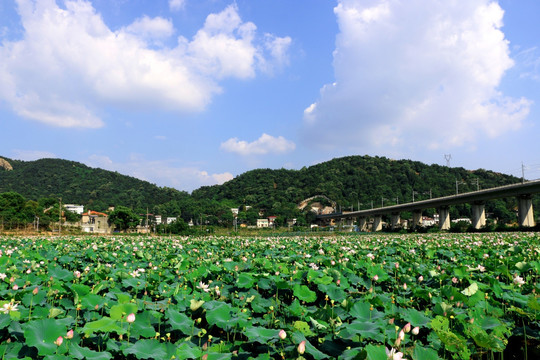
x=171, y=220
x=262, y=223
x=77, y=209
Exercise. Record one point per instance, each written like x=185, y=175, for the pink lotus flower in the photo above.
x=282, y=334
x=302, y=347
x=59, y=341
x=69, y=334
x=407, y=327
x=420, y=278
x=415, y=330
x=130, y=318
x=376, y=277
x=393, y=354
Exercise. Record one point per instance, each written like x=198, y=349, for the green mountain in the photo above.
x=350, y=182
x=77, y=183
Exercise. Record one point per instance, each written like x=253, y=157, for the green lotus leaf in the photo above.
x=471, y=290
x=90, y=301
x=415, y=317
x=187, y=350
x=79, y=290
x=54, y=312
x=147, y=349
x=194, y=305
x=361, y=311
x=120, y=311
x=333, y=291
x=59, y=274
x=310, y=349
x=261, y=335
x=43, y=333
x=5, y=320
x=180, y=321
x=245, y=281
x=219, y=356
x=422, y=353
x=366, y=330
x=105, y=324
x=303, y=293
x=303, y=327
x=85, y=353
x=218, y=314
x=375, y=352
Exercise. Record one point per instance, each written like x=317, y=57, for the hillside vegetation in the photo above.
x=351, y=182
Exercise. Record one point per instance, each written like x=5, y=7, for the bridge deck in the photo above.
x=526, y=188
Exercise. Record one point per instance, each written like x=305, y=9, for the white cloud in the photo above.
x=266, y=144
x=69, y=64
x=150, y=29
x=160, y=172
x=415, y=75
x=176, y=5
x=30, y=155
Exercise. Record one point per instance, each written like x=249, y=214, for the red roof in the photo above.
x=95, y=213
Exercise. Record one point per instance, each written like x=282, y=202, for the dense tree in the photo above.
x=348, y=181
x=124, y=218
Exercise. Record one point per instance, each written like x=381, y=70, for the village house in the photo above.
x=96, y=222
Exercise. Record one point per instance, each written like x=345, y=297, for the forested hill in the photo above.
x=79, y=184
x=351, y=180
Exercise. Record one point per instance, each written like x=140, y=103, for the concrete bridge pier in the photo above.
x=444, y=218
x=362, y=223
x=478, y=215
x=377, y=223
x=525, y=211
x=395, y=220
x=416, y=219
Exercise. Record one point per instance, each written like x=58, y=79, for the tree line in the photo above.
x=353, y=183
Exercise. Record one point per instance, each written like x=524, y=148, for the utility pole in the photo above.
x=60, y=216
x=522, y=173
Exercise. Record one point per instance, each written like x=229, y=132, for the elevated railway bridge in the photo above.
x=523, y=192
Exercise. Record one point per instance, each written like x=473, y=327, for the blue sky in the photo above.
x=186, y=93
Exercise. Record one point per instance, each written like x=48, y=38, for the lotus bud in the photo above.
x=282, y=334
x=407, y=327
x=69, y=334
x=301, y=347
x=59, y=341
x=130, y=318
x=415, y=330
x=376, y=277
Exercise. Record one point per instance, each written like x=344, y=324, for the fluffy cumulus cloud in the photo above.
x=162, y=172
x=176, y=5
x=69, y=64
x=415, y=75
x=266, y=144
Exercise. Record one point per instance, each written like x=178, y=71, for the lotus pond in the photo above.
x=423, y=297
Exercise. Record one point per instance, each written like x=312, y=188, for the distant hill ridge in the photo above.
x=350, y=182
